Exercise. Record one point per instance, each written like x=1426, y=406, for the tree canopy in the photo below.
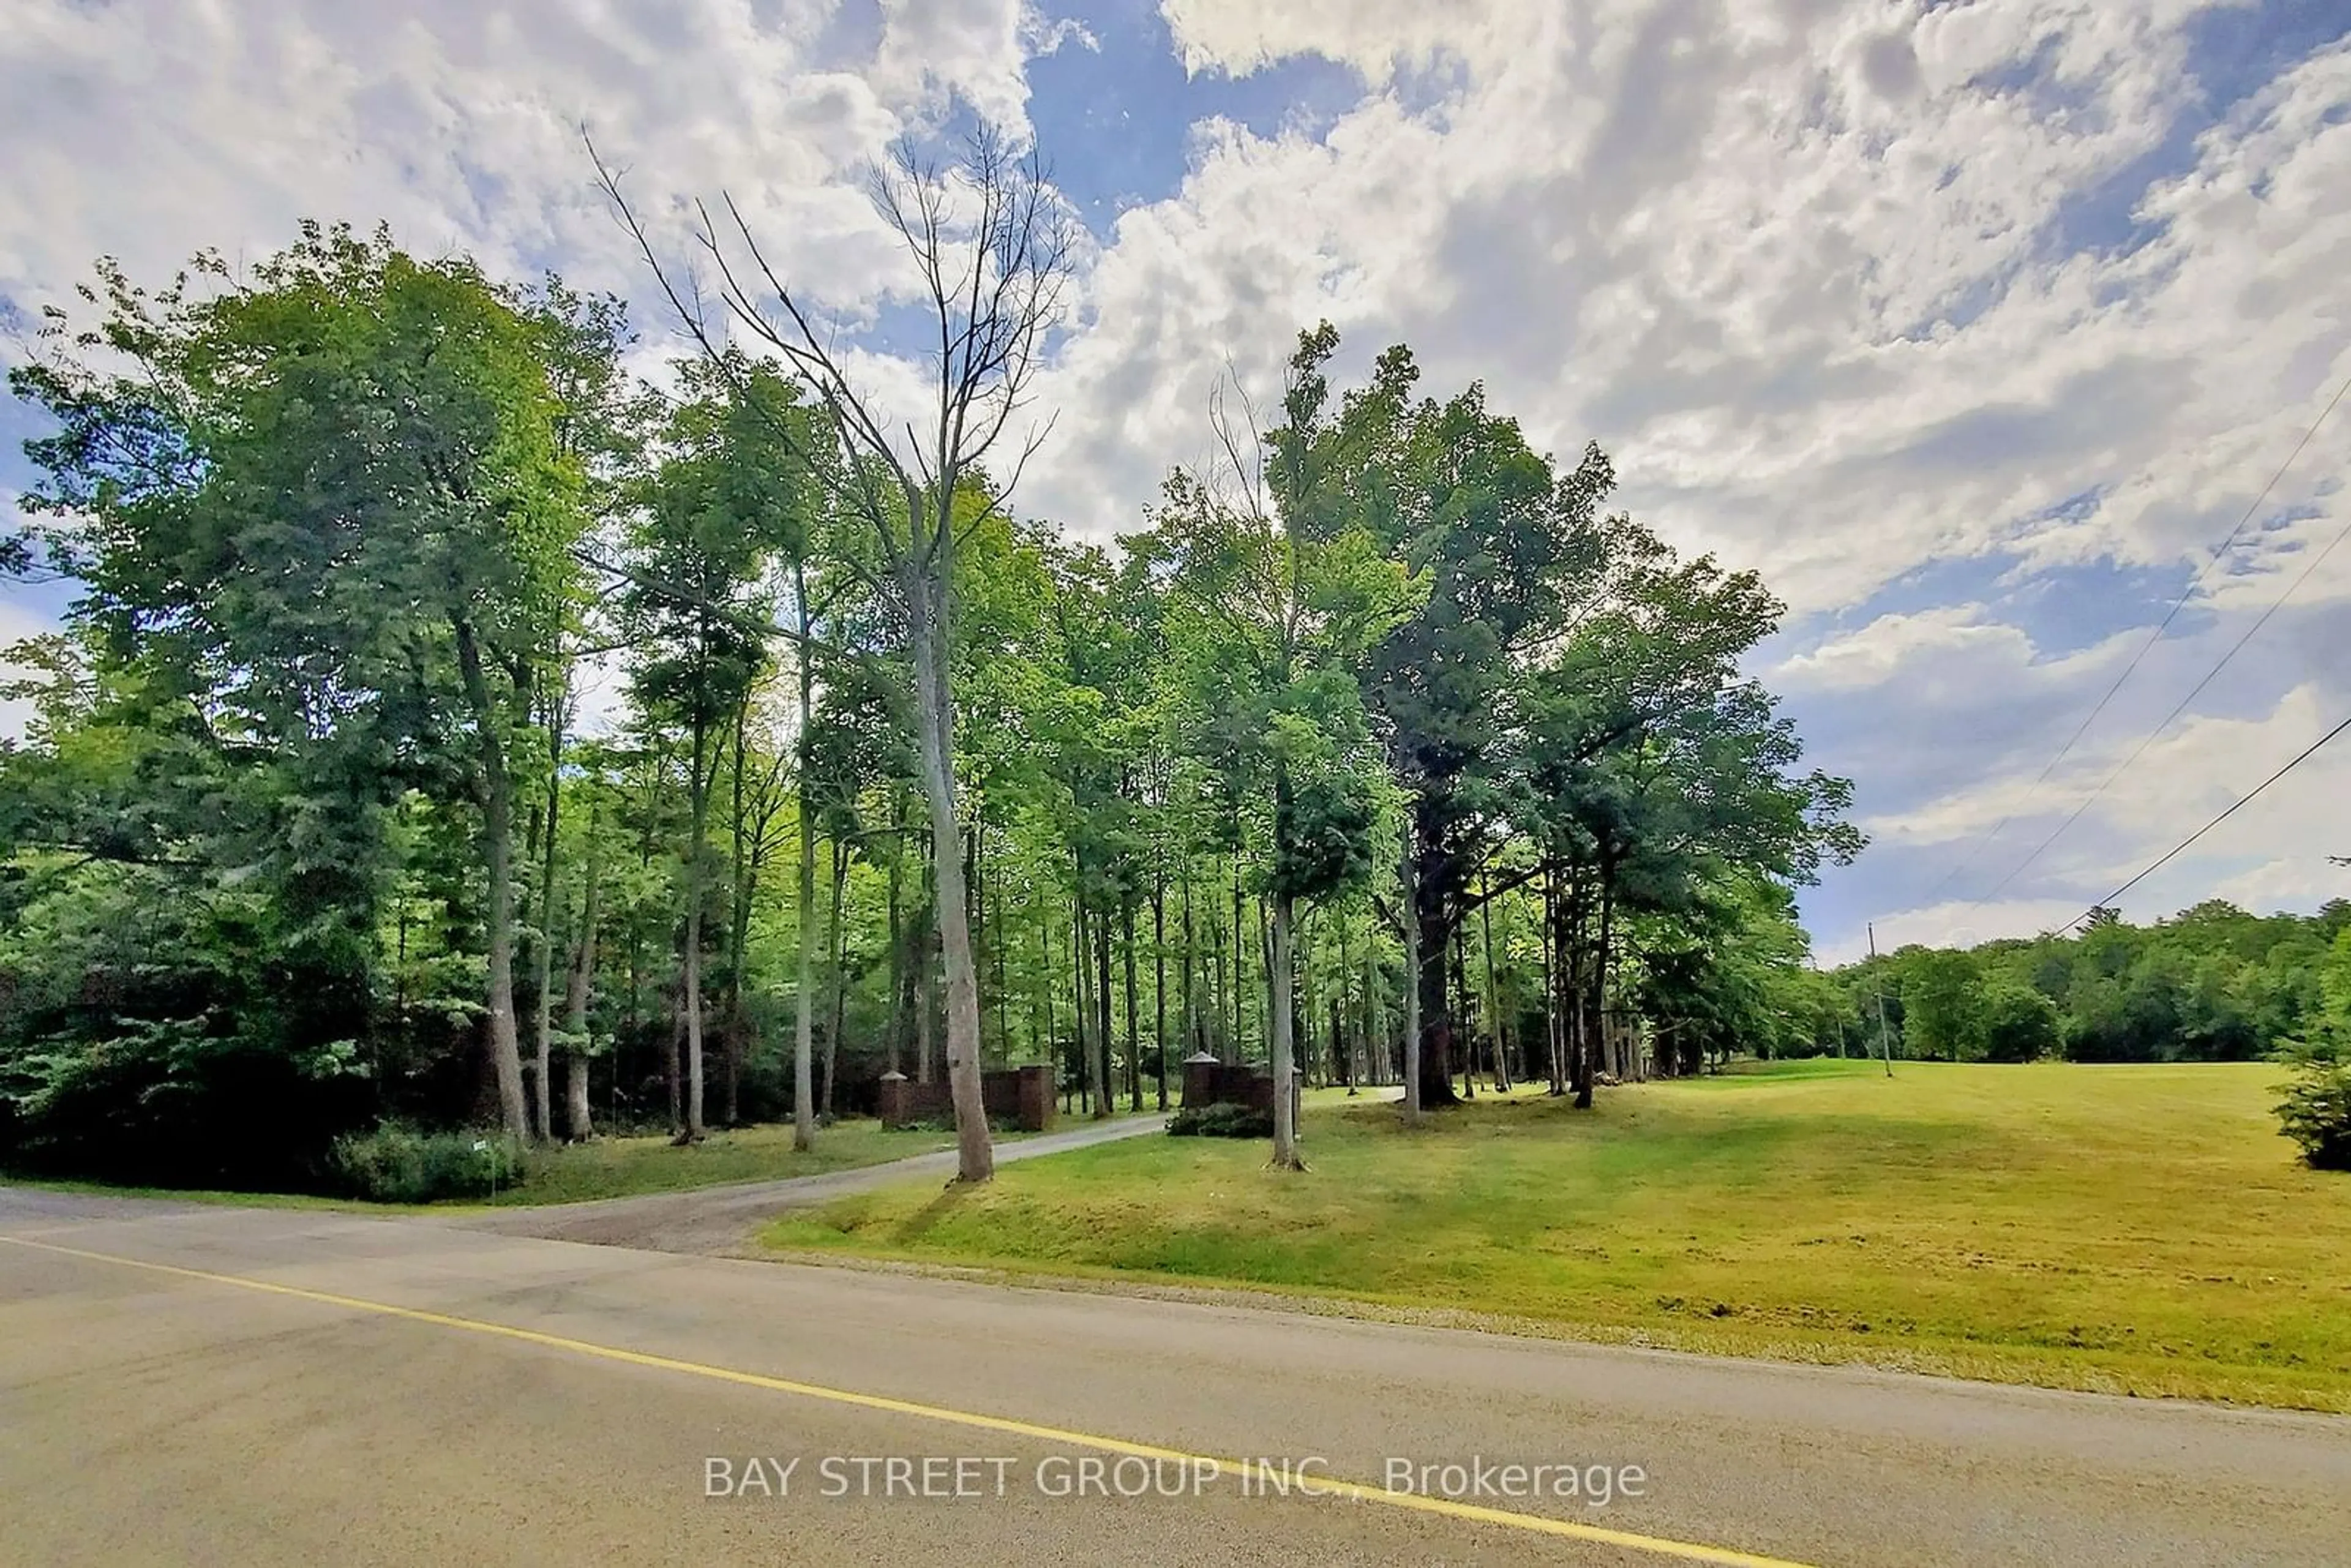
x=437, y=689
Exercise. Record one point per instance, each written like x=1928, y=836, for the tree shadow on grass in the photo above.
x=919, y=1224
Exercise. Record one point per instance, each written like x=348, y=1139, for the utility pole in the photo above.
x=1886, y=1039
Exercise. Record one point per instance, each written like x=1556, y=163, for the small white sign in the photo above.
x=481, y=1146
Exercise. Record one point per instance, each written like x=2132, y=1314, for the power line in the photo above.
x=2177, y=709
x=2177, y=604
x=2306, y=755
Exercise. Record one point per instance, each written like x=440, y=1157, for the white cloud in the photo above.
x=148, y=131
x=2298, y=882
x=1868, y=657
x=1951, y=924
x=2096, y=824
x=1803, y=292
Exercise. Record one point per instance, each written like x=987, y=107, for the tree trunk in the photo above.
x=1343, y=1060
x=975, y=1151
x=1049, y=957
x=1193, y=1035
x=1413, y=1083
x=1133, y=1035
x=1552, y=1017
x=998, y=943
x=1429, y=907
x=673, y=1061
x=749, y=844
x=1216, y=987
x=677, y=1051
x=804, y=990
x=975, y=869
x=1282, y=1046
x=1464, y=1012
x=1264, y=965
x=1303, y=1050
x=918, y=974
x=896, y=1010
x=1103, y=1038
x=1159, y=974
x=575, y=1001
x=698, y=804
x=1575, y=919
x=543, y=957
x=497, y=843
x=1599, y=985
x=1433, y=977
x=1497, y=1025
x=1233, y=1052
x=1038, y=1029
x=923, y=1006
x=840, y=982
x=1081, y=996
x=575, y=1097
x=804, y=998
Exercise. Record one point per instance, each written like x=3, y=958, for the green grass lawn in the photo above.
x=2131, y=1230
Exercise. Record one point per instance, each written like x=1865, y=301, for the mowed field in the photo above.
x=2130, y=1229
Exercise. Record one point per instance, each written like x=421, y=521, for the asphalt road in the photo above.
x=191, y=1385
x=720, y=1219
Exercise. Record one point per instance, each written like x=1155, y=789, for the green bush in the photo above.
x=1221, y=1120
x=2316, y=1111
x=396, y=1162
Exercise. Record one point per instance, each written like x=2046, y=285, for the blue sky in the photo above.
x=1975, y=324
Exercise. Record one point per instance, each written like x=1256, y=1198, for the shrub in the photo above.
x=1221, y=1120
x=2316, y=1111
x=396, y=1162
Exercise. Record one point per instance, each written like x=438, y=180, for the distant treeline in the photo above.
x=2211, y=984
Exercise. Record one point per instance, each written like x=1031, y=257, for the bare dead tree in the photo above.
x=992, y=247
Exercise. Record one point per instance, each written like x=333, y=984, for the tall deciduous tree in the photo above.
x=1511, y=553
x=990, y=245
x=1281, y=602
x=728, y=500
x=334, y=498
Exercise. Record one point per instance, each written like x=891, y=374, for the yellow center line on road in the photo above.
x=1447, y=1508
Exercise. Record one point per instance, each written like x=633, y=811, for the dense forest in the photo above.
x=454, y=729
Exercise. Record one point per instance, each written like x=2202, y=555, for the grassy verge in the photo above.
x=610, y=1167
x=2128, y=1230
x=624, y=1167
x=208, y=1195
